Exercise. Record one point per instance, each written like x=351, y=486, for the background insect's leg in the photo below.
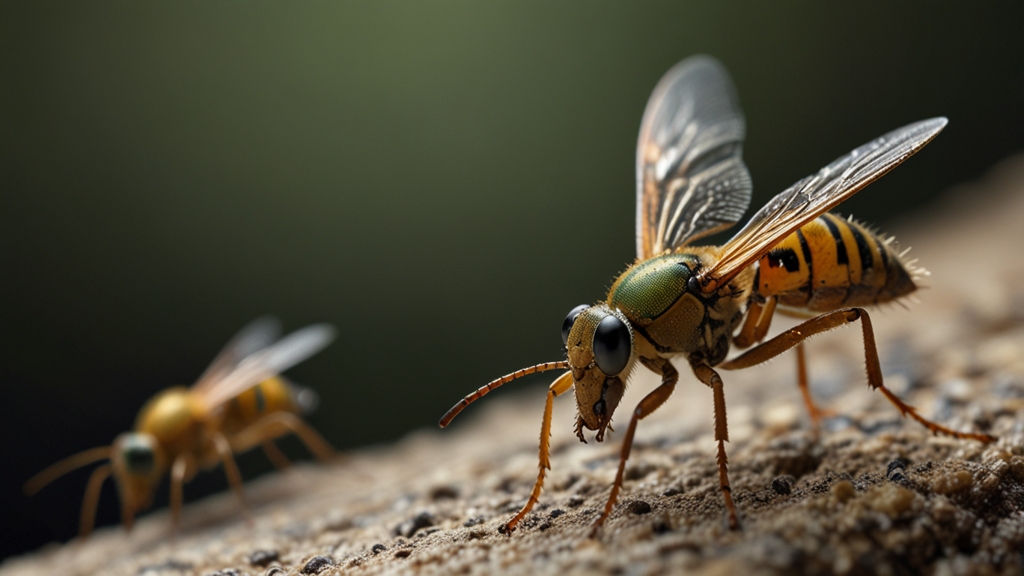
x=179, y=469
x=560, y=386
x=92, y=500
x=708, y=376
x=803, y=382
x=757, y=322
x=649, y=404
x=62, y=467
x=271, y=425
x=274, y=454
x=231, y=470
x=824, y=323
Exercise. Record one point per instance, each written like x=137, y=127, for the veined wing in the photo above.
x=690, y=176
x=267, y=363
x=814, y=195
x=253, y=337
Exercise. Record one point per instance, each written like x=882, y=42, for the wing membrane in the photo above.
x=267, y=362
x=691, y=180
x=816, y=194
x=253, y=337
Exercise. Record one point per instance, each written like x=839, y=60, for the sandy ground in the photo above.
x=873, y=495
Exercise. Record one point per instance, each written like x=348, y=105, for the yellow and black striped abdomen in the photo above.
x=271, y=395
x=830, y=263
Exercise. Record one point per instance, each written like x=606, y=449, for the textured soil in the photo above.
x=872, y=494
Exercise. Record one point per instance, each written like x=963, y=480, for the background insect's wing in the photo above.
x=253, y=337
x=691, y=180
x=814, y=195
x=268, y=362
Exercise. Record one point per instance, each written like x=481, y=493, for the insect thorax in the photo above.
x=654, y=295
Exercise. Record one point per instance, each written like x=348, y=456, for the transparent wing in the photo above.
x=814, y=195
x=690, y=176
x=253, y=337
x=268, y=362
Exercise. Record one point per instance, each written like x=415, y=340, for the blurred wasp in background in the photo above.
x=240, y=402
x=693, y=302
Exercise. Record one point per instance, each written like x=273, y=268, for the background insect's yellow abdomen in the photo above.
x=830, y=263
x=271, y=395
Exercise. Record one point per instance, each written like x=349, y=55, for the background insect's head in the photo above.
x=138, y=463
x=599, y=345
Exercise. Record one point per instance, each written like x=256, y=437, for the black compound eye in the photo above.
x=612, y=345
x=139, y=459
x=568, y=322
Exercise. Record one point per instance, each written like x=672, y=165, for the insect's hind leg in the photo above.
x=828, y=321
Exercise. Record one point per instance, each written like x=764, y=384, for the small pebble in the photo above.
x=952, y=482
x=317, y=564
x=891, y=499
x=444, y=493
x=843, y=491
x=227, y=572
x=263, y=557
x=378, y=548
x=639, y=507
x=556, y=513
x=782, y=486
x=404, y=553
x=409, y=527
x=474, y=521
x=896, y=472
x=574, y=501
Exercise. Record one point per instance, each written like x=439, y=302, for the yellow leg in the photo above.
x=708, y=376
x=649, y=404
x=91, y=500
x=231, y=469
x=274, y=454
x=270, y=426
x=560, y=386
x=178, y=472
x=835, y=319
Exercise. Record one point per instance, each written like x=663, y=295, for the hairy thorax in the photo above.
x=670, y=318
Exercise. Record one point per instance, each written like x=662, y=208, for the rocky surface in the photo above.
x=873, y=494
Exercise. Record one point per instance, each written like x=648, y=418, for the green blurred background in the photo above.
x=442, y=181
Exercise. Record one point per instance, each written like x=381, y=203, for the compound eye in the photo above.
x=139, y=459
x=569, y=321
x=612, y=345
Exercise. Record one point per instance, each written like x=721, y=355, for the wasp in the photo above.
x=239, y=402
x=693, y=303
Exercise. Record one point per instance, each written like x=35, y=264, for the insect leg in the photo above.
x=835, y=319
x=708, y=376
x=274, y=454
x=230, y=468
x=178, y=471
x=91, y=500
x=560, y=386
x=759, y=319
x=269, y=427
x=815, y=413
x=62, y=467
x=649, y=404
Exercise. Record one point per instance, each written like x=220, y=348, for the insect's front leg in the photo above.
x=708, y=376
x=650, y=403
x=560, y=386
